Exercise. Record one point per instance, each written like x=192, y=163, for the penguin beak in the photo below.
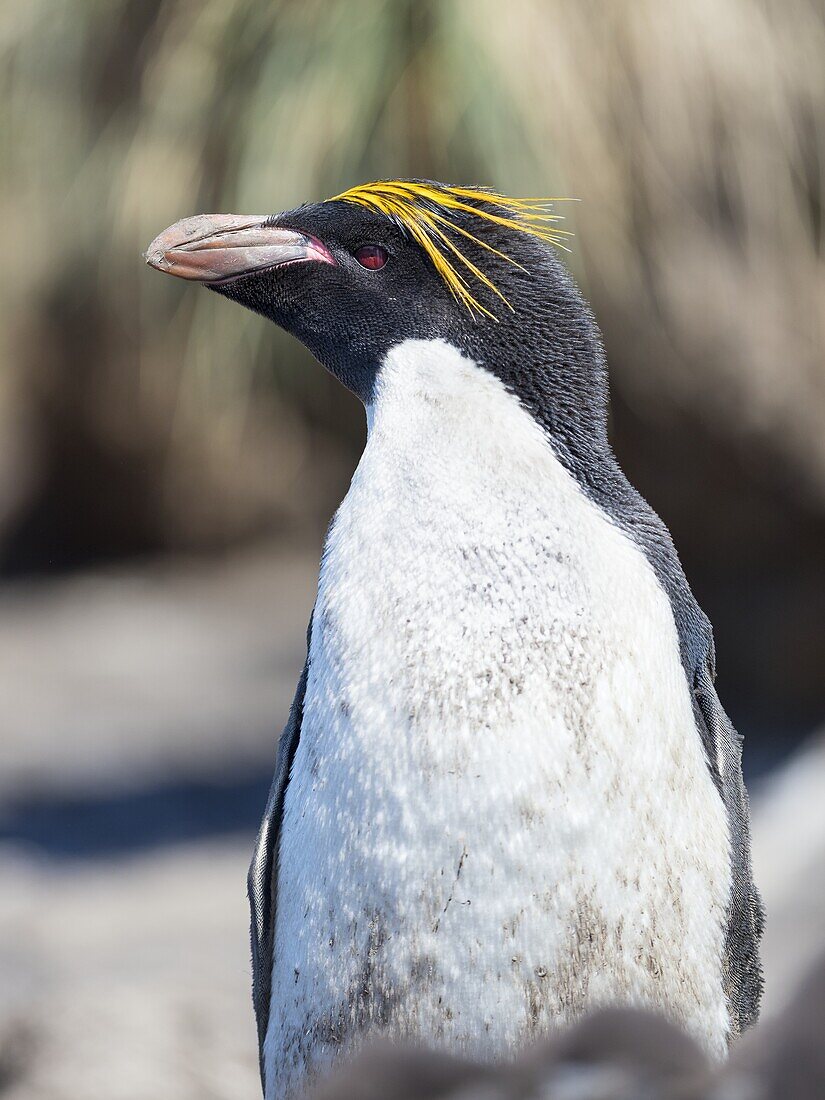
x=217, y=248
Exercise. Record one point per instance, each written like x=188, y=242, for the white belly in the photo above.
x=499, y=813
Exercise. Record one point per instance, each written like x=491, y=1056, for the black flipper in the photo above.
x=263, y=871
x=746, y=915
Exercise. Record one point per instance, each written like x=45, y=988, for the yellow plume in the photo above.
x=427, y=212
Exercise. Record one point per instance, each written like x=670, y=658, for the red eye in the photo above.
x=371, y=256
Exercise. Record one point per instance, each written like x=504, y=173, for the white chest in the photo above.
x=499, y=812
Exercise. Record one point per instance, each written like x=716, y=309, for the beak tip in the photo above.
x=155, y=254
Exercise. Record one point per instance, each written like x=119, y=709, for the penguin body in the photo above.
x=507, y=792
x=510, y=815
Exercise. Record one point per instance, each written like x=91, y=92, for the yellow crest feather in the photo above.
x=427, y=211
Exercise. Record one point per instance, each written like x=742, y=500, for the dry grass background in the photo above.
x=693, y=133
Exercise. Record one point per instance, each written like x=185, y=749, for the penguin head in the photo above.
x=401, y=260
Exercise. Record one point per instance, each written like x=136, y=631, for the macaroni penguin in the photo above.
x=507, y=791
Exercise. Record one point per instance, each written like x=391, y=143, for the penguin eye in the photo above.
x=371, y=256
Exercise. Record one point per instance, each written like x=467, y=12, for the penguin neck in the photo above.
x=480, y=413
x=439, y=414
x=560, y=382
x=553, y=362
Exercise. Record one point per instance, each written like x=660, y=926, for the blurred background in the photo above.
x=168, y=463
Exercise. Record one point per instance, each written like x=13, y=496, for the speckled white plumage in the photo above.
x=499, y=812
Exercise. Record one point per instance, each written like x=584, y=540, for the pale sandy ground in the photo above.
x=128, y=978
